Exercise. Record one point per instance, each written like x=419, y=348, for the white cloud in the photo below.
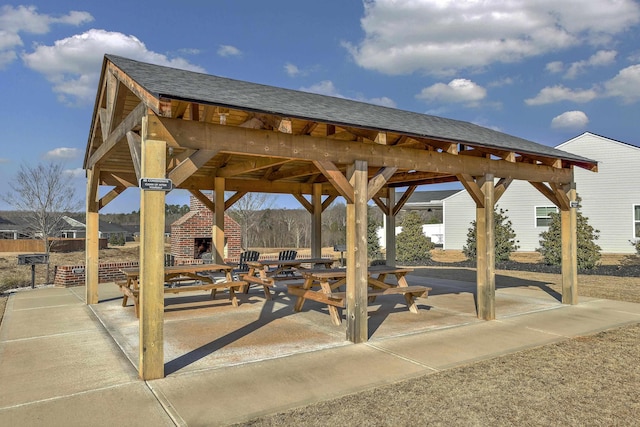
x=3, y=160
x=446, y=36
x=599, y=59
x=626, y=84
x=291, y=69
x=63, y=153
x=570, y=120
x=456, y=91
x=559, y=93
x=73, y=64
x=554, y=67
x=26, y=19
x=228, y=50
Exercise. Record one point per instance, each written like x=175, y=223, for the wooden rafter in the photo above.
x=189, y=166
x=473, y=188
x=336, y=178
x=135, y=148
x=404, y=199
x=251, y=165
x=129, y=123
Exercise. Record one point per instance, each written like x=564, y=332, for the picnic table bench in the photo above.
x=176, y=276
x=261, y=274
x=331, y=279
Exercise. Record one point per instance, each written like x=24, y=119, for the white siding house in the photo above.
x=610, y=199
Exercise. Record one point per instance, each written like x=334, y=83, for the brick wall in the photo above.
x=73, y=275
x=197, y=224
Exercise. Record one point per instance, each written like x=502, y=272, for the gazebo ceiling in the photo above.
x=269, y=139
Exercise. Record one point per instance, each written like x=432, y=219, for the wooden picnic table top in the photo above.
x=336, y=273
x=185, y=268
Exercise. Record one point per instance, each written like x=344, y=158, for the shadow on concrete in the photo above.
x=267, y=315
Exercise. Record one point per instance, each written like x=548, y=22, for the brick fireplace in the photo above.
x=194, y=229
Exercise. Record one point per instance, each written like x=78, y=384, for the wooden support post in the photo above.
x=568, y=218
x=390, y=228
x=218, y=220
x=485, y=248
x=357, y=330
x=316, y=222
x=151, y=355
x=92, y=241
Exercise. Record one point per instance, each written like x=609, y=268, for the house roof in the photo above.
x=430, y=196
x=164, y=82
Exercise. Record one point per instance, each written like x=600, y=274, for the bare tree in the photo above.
x=246, y=210
x=45, y=194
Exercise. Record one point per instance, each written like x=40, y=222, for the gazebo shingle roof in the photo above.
x=191, y=86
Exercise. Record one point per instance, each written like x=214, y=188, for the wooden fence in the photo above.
x=60, y=245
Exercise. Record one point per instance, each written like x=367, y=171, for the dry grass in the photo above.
x=590, y=380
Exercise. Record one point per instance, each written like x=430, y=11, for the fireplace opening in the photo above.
x=200, y=246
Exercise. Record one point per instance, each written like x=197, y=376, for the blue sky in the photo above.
x=545, y=70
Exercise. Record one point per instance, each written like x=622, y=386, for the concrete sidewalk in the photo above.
x=65, y=363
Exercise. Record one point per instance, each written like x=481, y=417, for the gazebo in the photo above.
x=161, y=128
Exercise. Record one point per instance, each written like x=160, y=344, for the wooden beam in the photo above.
x=546, y=191
x=381, y=138
x=152, y=212
x=501, y=188
x=135, y=148
x=304, y=202
x=568, y=218
x=218, y=220
x=132, y=120
x=234, y=198
x=303, y=147
x=357, y=266
x=104, y=122
x=472, y=187
x=249, y=166
x=405, y=197
x=379, y=180
x=202, y=198
x=110, y=196
x=390, y=229
x=92, y=242
x=327, y=202
x=336, y=178
x=485, y=251
x=563, y=197
x=188, y=167
x=148, y=99
x=384, y=208
x=93, y=182
x=316, y=221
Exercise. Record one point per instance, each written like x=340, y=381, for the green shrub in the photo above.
x=505, y=238
x=116, y=240
x=412, y=245
x=637, y=246
x=373, y=244
x=551, y=242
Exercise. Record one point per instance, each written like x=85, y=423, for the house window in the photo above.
x=636, y=221
x=543, y=215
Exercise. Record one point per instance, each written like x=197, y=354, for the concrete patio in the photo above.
x=65, y=363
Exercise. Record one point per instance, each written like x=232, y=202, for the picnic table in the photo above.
x=330, y=280
x=199, y=277
x=261, y=273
